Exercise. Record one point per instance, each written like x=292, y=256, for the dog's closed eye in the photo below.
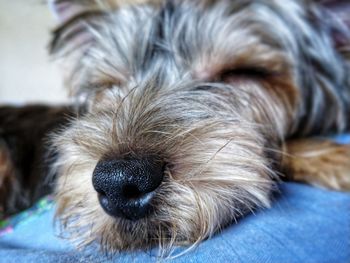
x=236, y=74
x=243, y=73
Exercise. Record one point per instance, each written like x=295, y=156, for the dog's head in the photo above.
x=185, y=103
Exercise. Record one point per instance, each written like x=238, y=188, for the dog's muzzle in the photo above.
x=126, y=187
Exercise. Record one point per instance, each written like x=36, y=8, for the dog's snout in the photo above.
x=126, y=187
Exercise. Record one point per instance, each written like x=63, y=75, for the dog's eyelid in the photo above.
x=245, y=72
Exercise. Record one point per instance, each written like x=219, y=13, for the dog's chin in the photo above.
x=114, y=234
x=182, y=219
x=148, y=233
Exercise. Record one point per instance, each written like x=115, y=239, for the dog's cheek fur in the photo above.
x=191, y=204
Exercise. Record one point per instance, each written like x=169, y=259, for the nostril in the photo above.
x=104, y=201
x=100, y=192
x=131, y=191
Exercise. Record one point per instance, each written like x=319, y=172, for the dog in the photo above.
x=185, y=116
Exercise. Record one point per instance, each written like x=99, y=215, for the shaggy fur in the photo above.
x=213, y=88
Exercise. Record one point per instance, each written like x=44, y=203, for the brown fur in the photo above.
x=24, y=172
x=318, y=162
x=8, y=179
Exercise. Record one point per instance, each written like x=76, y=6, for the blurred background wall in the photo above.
x=26, y=73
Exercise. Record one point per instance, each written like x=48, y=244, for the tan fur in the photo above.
x=319, y=162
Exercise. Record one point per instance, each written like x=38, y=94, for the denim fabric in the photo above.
x=345, y=139
x=305, y=224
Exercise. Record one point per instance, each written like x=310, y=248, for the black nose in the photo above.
x=126, y=187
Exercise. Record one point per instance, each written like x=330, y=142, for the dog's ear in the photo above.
x=64, y=10
x=76, y=21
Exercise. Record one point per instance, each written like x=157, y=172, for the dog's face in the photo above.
x=184, y=105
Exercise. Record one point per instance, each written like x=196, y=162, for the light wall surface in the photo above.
x=26, y=73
